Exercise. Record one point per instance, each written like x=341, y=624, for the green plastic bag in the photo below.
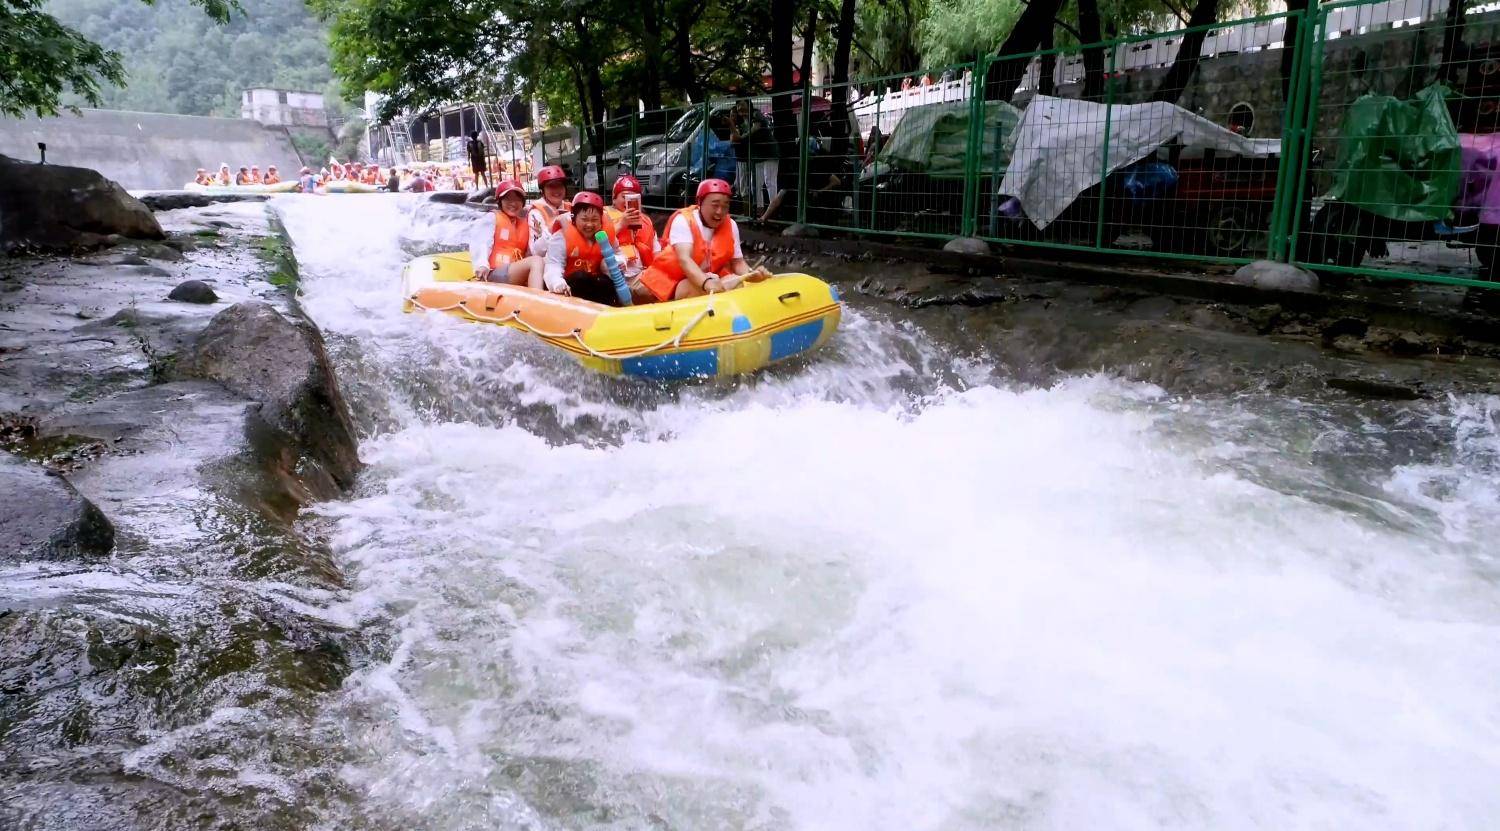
x=1400, y=159
x=934, y=139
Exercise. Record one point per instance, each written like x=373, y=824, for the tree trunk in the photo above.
x=1090, y=32
x=843, y=41
x=650, y=92
x=1454, y=50
x=1033, y=26
x=1289, y=49
x=809, y=37
x=682, y=50
x=1205, y=12
x=1046, y=79
x=783, y=115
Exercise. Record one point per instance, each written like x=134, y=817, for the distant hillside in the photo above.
x=180, y=61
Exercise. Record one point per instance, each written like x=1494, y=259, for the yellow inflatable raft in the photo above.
x=346, y=186
x=723, y=334
x=280, y=187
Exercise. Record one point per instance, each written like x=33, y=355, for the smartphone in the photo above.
x=633, y=203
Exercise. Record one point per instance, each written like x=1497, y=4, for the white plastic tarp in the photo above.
x=1059, y=147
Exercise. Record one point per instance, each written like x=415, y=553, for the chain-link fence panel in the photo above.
x=1401, y=142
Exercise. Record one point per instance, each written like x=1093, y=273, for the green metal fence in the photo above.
x=1353, y=139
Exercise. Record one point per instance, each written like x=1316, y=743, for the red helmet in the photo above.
x=588, y=197
x=508, y=186
x=550, y=173
x=626, y=183
x=710, y=186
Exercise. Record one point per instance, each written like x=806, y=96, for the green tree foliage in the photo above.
x=176, y=59
x=958, y=31
x=43, y=59
x=584, y=59
x=886, y=36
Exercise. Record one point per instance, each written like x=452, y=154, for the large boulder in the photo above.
x=970, y=246
x=45, y=518
x=254, y=351
x=1274, y=276
x=47, y=207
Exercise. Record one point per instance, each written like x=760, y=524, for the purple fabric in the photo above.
x=1481, y=183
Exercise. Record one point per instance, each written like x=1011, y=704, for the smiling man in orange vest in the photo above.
x=703, y=253
x=497, y=250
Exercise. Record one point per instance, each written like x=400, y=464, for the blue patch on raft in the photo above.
x=739, y=324
x=796, y=339
x=698, y=362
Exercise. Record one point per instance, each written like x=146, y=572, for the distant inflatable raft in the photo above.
x=340, y=186
x=723, y=334
x=219, y=190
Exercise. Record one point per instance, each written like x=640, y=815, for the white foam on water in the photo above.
x=818, y=599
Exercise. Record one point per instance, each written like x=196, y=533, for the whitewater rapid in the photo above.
x=888, y=587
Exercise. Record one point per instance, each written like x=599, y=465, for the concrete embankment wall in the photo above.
x=148, y=150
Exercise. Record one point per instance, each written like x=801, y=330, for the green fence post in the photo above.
x=1109, y=106
x=804, y=132
x=1278, y=247
x=875, y=157
x=974, y=144
x=702, y=171
x=1313, y=24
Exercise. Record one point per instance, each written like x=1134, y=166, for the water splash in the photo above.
x=884, y=588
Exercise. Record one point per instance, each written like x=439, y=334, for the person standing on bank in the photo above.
x=478, y=160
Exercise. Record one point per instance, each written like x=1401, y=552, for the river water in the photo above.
x=898, y=584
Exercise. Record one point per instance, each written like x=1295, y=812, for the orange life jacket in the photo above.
x=272, y=179
x=510, y=240
x=581, y=254
x=712, y=255
x=634, y=242
x=543, y=217
x=223, y=178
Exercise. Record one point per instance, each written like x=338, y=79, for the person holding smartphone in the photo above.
x=635, y=236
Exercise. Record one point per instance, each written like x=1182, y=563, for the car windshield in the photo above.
x=684, y=126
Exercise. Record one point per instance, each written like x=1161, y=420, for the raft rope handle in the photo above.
x=675, y=341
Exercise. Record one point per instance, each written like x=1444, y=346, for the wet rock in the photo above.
x=183, y=244
x=193, y=291
x=451, y=197
x=186, y=199
x=253, y=351
x=1367, y=388
x=45, y=518
x=160, y=252
x=967, y=245
x=799, y=231
x=1151, y=308
x=58, y=208
x=1264, y=274
x=1345, y=326
x=1218, y=320
x=124, y=259
x=1412, y=343
x=1264, y=318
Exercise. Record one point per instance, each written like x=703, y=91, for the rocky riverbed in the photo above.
x=165, y=413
